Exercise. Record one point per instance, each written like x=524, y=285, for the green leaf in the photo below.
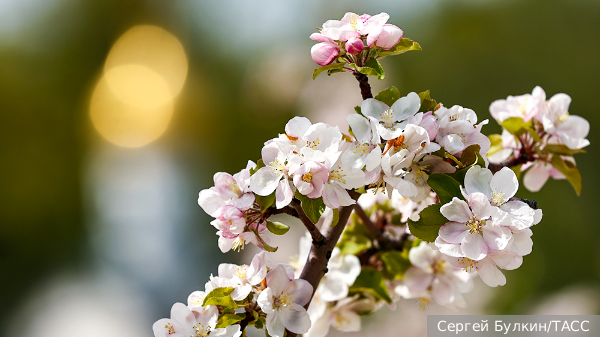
x=355, y=244
x=569, y=170
x=229, y=319
x=372, y=281
x=374, y=64
x=516, y=125
x=445, y=187
x=265, y=202
x=358, y=110
x=396, y=263
x=265, y=245
x=277, y=228
x=220, y=296
x=260, y=323
x=429, y=224
x=388, y=96
x=496, y=144
x=403, y=46
x=469, y=155
x=427, y=104
x=333, y=71
x=480, y=160
x=259, y=164
x=336, y=217
x=367, y=70
x=561, y=149
x=313, y=208
x=327, y=67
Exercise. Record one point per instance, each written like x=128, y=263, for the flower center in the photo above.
x=307, y=177
x=233, y=187
x=498, y=197
x=337, y=175
x=360, y=149
x=201, y=330
x=423, y=302
x=314, y=144
x=276, y=167
x=438, y=267
x=475, y=225
x=284, y=300
x=197, y=299
x=353, y=22
x=170, y=329
x=420, y=176
x=238, y=244
x=387, y=117
x=240, y=271
x=562, y=118
x=396, y=143
x=467, y=263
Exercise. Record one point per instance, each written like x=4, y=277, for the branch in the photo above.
x=522, y=158
x=385, y=243
x=363, y=83
x=318, y=238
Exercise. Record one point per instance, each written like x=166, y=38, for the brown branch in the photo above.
x=318, y=238
x=363, y=83
x=522, y=158
x=375, y=231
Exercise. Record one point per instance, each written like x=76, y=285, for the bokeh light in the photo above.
x=133, y=101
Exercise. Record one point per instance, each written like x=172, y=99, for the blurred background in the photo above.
x=115, y=114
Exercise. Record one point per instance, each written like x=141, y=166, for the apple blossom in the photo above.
x=391, y=119
x=283, y=302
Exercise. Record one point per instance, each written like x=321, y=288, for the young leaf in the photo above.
x=569, y=170
x=265, y=202
x=259, y=164
x=496, y=145
x=367, y=71
x=403, y=46
x=429, y=224
x=372, y=281
x=277, y=228
x=395, y=263
x=229, y=319
x=327, y=67
x=388, y=96
x=336, y=217
x=355, y=244
x=374, y=64
x=516, y=125
x=220, y=296
x=313, y=208
x=427, y=104
x=264, y=244
x=561, y=149
x=469, y=155
x=445, y=187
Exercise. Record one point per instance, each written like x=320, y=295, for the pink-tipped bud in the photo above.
x=354, y=45
x=324, y=53
x=389, y=37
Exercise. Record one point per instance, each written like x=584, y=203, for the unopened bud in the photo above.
x=354, y=45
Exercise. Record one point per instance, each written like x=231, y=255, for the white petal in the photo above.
x=374, y=108
x=210, y=201
x=478, y=179
x=453, y=232
x=490, y=274
x=504, y=181
x=406, y=106
x=456, y=210
x=536, y=177
x=360, y=127
x=264, y=181
x=296, y=320
x=474, y=247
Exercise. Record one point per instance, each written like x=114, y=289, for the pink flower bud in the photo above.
x=324, y=53
x=354, y=45
x=389, y=37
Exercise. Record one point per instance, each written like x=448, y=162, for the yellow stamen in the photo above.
x=238, y=244
x=475, y=225
x=307, y=177
x=467, y=264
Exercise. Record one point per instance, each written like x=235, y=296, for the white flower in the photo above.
x=244, y=277
x=341, y=179
x=525, y=106
x=343, y=316
x=228, y=190
x=310, y=179
x=432, y=275
x=187, y=323
x=391, y=119
x=472, y=228
x=570, y=130
x=275, y=175
x=283, y=302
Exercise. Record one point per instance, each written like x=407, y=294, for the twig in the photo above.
x=318, y=238
x=375, y=231
x=363, y=83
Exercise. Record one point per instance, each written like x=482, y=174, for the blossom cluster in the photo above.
x=541, y=130
x=351, y=33
x=260, y=295
x=424, y=201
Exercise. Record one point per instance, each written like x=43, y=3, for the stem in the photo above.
x=363, y=83
x=522, y=158
x=384, y=242
x=318, y=238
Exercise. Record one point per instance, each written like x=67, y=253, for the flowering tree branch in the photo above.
x=363, y=83
x=318, y=238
